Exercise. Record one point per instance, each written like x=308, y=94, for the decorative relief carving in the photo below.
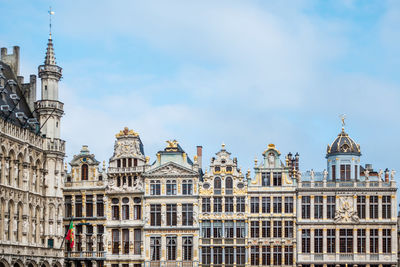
x=345, y=212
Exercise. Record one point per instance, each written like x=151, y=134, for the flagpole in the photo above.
x=62, y=243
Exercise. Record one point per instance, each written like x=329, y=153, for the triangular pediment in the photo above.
x=170, y=168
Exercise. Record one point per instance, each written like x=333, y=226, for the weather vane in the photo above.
x=342, y=118
x=51, y=12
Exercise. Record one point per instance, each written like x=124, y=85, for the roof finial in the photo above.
x=50, y=14
x=342, y=118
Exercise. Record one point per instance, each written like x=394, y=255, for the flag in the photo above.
x=70, y=234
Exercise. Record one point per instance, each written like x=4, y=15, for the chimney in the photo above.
x=199, y=155
x=387, y=175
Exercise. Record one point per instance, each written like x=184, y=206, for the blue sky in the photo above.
x=243, y=73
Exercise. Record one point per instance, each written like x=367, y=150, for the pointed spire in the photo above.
x=50, y=59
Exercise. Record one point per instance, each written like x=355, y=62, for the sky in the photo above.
x=244, y=73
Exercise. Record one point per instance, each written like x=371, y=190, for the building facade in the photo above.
x=31, y=164
x=272, y=210
x=84, y=198
x=223, y=219
x=346, y=215
x=171, y=209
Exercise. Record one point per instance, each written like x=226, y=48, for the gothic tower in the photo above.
x=50, y=111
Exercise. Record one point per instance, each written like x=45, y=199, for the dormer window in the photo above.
x=229, y=169
x=277, y=179
x=345, y=172
x=118, y=163
x=217, y=169
x=129, y=162
x=84, y=172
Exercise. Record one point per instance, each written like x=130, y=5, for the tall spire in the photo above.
x=50, y=59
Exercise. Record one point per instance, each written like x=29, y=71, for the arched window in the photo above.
x=19, y=223
x=171, y=248
x=118, y=181
x=229, y=186
x=124, y=180
x=217, y=185
x=130, y=181
x=115, y=209
x=137, y=208
x=84, y=172
x=125, y=208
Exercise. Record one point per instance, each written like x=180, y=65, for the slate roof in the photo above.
x=343, y=145
x=14, y=107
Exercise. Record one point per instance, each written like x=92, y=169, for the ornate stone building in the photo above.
x=171, y=209
x=272, y=210
x=31, y=164
x=124, y=197
x=84, y=197
x=346, y=216
x=223, y=218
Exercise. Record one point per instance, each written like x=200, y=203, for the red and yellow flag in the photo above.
x=70, y=234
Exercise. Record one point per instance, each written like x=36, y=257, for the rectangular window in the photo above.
x=361, y=207
x=266, y=205
x=206, y=204
x=386, y=241
x=206, y=229
x=187, y=214
x=155, y=214
x=89, y=239
x=277, y=204
x=265, y=179
x=115, y=238
x=277, y=179
x=331, y=241
x=266, y=255
x=386, y=207
x=137, y=235
x=361, y=241
x=240, y=255
x=206, y=255
x=288, y=255
x=318, y=207
x=373, y=241
x=217, y=255
x=217, y=229
x=229, y=256
x=356, y=172
x=171, y=248
x=266, y=229
x=137, y=210
x=277, y=229
x=217, y=204
x=100, y=232
x=305, y=241
x=125, y=241
x=229, y=229
x=78, y=206
x=125, y=211
x=318, y=241
x=255, y=255
x=277, y=255
x=331, y=207
x=288, y=204
x=289, y=229
x=228, y=204
x=255, y=229
x=68, y=206
x=187, y=187
x=187, y=247
x=171, y=214
x=171, y=188
x=346, y=241
x=100, y=206
x=305, y=207
x=333, y=173
x=155, y=188
x=240, y=229
x=373, y=207
x=155, y=248
x=345, y=172
x=240, y=204
x=254, y=205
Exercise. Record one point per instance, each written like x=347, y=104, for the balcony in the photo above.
x=95, y=255
x=134, y=169
x=343, y=258
x=55, y=145
x=49, y=104
x=172, y=264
